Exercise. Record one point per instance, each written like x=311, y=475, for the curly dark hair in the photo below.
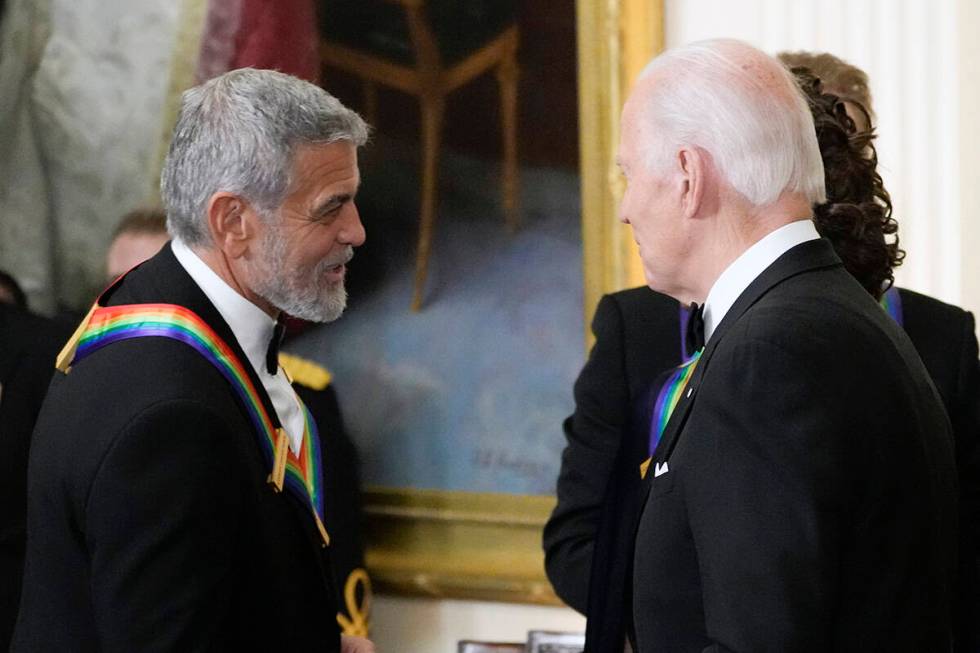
x=857, y=216
x=845, y=80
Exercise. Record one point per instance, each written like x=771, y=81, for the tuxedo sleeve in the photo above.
x=764, y=499
x=594, y=434
x=965, y=418
x=160, y=526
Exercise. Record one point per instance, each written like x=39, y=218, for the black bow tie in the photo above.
x=695, y=329
x=272, y=354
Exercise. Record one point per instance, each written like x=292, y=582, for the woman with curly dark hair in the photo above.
x=640, y=339
x=857, y=216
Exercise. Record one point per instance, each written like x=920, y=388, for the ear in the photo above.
x=693, y=167
x=232, y=223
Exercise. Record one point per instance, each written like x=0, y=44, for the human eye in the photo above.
x=329, y=210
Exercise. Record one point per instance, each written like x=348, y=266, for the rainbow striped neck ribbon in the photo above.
x=667, y=399
x=891, y=301
x=300, y=475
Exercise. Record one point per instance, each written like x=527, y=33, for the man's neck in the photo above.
x=231, y=274
x=736, y=229
x=748, y=266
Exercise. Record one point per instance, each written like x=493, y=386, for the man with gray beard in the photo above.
x=175, y=490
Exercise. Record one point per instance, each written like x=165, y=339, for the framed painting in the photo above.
x=456, y=407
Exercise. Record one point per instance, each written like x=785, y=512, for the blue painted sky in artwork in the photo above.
x=470, y=393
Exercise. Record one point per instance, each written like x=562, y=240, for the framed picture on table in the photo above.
x=456, y=407
x=540, y=641
x=468, y=646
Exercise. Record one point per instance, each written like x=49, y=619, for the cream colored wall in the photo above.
x=412, y=625
x=968, y=22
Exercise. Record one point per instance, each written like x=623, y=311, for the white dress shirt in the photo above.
x=753, y=261
x=253, y=329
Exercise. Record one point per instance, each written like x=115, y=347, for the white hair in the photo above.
x=237, y=133
x=722, y=96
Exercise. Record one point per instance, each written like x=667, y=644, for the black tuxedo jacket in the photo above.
x=807, y=500
x=150, y=522
x=636, y=341
x=28, y=347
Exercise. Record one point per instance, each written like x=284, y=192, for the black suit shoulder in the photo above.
x=644, y=304
x=650, y=333
x=636, y=338
x=943, y=335
x=114, y=388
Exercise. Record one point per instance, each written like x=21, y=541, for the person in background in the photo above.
x=640, y=335
x=138, y=236
x=840, y=78
x=944, y=336
x=171, y=438
x=28, y=346
x=11, y=292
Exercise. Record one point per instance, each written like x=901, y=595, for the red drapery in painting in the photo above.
x=280, y=35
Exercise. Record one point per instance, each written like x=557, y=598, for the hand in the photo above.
x=351, y=644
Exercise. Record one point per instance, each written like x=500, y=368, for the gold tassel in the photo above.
x=323, y=530
x=67, y=355
x=359, y=624
x=644, y=466
x=278, y=475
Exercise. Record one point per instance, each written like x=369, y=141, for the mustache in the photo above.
x=343, y=259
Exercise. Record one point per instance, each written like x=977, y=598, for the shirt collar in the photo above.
x=251, y=325
x=743, y=270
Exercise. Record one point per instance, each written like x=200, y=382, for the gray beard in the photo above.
x=300, y=293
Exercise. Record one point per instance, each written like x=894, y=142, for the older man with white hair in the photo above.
x=175, y=490
x=801, y=492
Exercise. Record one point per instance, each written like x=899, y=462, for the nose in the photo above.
x=353, y=232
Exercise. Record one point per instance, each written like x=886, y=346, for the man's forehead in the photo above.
x=632, y=119
x=335, y=161
x=343, y=151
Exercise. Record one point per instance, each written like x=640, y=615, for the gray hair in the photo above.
x=237, y=133
x=752, y=118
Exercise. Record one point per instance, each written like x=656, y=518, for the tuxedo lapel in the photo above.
x=811, y=255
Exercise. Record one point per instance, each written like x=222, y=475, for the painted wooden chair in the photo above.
x=429, y=48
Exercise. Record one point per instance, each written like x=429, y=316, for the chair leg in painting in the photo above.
x=507, y=76
x=371, y=102
x=432, y=110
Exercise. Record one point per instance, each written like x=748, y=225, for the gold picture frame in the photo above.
x=488, y=546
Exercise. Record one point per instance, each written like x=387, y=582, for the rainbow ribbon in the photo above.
x=301, y=474
x=891, y=301
x=669, y=396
